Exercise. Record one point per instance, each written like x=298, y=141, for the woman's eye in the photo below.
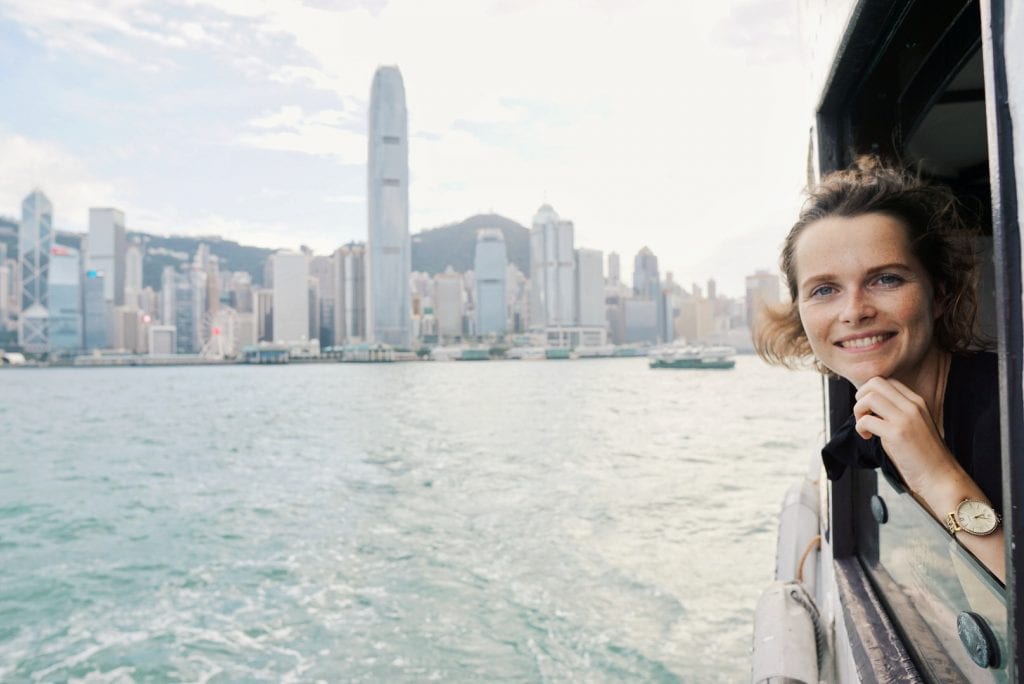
x=889, y=279
x=822, y=291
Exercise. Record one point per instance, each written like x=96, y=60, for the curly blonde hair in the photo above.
x=939, y=237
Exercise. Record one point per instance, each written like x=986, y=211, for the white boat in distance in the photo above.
x=719, y=357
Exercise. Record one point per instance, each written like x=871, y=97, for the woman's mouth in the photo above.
x=864, y=342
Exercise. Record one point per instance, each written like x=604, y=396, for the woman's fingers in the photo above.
x=870, y=425
x=873, y=403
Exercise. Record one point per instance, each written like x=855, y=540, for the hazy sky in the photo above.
x=680, y=125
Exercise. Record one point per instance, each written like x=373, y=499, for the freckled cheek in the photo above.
x=816, y=329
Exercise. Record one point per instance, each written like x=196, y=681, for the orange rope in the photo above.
x=812, y=545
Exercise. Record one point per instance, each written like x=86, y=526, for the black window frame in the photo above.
x=873, y=26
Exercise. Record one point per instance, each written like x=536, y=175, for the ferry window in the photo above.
x=921, y=101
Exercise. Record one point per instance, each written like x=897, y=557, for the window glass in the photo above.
x=929, y=582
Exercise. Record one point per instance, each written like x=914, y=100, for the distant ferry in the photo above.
x=693, y=357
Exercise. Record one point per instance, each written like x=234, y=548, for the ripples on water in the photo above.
x=505, y=521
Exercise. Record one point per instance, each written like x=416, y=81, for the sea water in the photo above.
x=590, y=520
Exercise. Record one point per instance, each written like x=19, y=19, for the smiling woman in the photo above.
x=881, y=277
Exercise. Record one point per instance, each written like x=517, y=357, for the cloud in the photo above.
x=291, y=129
x=27, y=164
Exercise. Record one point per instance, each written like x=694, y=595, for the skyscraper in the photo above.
x=489, y=266
x=65, y=319
x=590, y=307
x=321, y=268
x=35, y=238
x=106, y=251
x=389, y=264
x=552, y=270
x=448, y=304
x=291, y=296
x=99, y=311
x=645, y=274
x=613, y=268
x=350, y=293
x=132, y=274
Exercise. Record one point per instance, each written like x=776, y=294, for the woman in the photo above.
x=882, y=284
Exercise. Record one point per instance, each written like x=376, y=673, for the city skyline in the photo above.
x=190, y=131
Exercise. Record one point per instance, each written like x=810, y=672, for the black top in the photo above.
x=970, y=421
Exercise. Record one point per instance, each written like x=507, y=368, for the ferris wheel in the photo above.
x=218, y=334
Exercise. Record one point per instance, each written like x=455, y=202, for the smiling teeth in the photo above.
x=863, y=342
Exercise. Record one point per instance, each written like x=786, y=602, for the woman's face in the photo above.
x=866, y=302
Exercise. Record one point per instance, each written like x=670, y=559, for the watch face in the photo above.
x=976, y=517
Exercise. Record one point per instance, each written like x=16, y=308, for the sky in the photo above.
x=679, y=125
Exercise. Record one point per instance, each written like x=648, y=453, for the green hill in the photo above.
x=454, y=245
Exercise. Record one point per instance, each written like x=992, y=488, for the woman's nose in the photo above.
x=857, y=307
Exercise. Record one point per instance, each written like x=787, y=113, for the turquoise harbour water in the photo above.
x=506, y=521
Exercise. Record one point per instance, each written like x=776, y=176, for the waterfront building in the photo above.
x=389, y=263
x=640, y=321
x=552, y=270
x=5, y=293
x=65, y=311
x=105, y=252
x=264, y=315
x=646, y=279
x=162, y=340
x=313, y=289
x=762, y=290
x=184, y=314
x=490, y=264
x=127, y=333
x=98, y=311
x=590, y=307
x=198, y=280
x=35, y=238
x=321, y=270
x=133, y=256
x=291, y=296
x=696, y=322
x=350, y=309
x=241, y=293
x=614, y=268
x=448, y=307
x=246, y=333
x=517, y=288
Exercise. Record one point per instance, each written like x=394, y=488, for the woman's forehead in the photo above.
x=864, y=240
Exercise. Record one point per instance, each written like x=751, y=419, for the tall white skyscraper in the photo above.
x=390, y=260
x=552, y=270
x=35, y=238
x=291, y=296
x=490, y=266
x=106, y=250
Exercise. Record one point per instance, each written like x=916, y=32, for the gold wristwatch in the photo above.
x=973, y=517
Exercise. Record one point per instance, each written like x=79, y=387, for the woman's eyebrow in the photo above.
x=895, y=265
x=816, y=278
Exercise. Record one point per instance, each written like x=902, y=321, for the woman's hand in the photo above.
x=900, y=418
